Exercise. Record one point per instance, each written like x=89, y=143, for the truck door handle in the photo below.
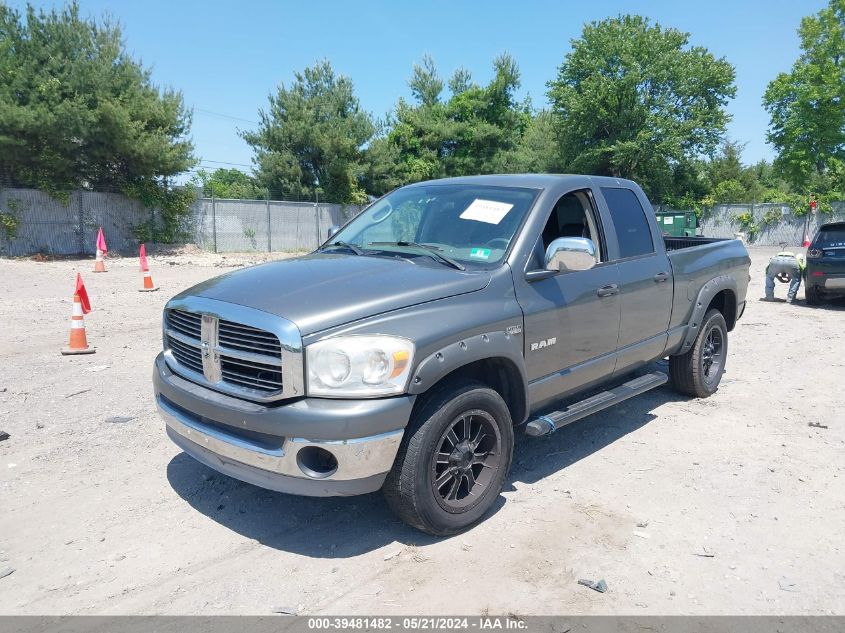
x=608, y=291
x=661, y=277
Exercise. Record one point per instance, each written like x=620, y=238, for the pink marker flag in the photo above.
x=101, y=241
x=83, y=294
x=143, y=255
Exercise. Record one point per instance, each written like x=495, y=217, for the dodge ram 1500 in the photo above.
x=403, y=353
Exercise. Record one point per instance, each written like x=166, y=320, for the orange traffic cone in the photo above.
x=148, y=283
x=99, y=265
x=78, y=343
x=148, y=286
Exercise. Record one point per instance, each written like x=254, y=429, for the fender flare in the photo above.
x=486, y=346
x=705, y=296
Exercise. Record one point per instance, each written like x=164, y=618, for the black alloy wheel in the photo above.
x=712, y=359
x=468, y=457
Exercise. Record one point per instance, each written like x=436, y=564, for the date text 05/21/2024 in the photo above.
x=417, y=623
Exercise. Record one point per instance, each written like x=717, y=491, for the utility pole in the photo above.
x=214, y=217
x=81, y=222
x=269, y=239
x=317, y=214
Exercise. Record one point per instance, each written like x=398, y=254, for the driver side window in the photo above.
x=572, y=216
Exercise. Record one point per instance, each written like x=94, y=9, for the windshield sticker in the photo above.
x=483, y=253
x=486, y=211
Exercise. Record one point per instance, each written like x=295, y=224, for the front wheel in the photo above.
x=699, y=371
x=453, y=460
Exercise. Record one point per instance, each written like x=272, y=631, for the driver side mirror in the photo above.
x=334, y=228
x=570, y=253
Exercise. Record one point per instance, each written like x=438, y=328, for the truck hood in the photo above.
x=320, y=291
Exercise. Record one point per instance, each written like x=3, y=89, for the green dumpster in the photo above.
x=678, y=223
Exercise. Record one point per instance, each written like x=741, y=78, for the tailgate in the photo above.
x=828, y=271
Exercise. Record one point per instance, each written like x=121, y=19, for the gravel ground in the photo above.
x=729, y=505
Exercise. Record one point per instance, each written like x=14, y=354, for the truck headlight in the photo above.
x=358, y=366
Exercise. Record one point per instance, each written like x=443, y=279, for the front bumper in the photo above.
x=263, y=445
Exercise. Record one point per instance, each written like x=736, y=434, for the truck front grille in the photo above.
x=244, y=358
x=253, y=375
x=186, y=323
x=187, y=355
x=250, y=339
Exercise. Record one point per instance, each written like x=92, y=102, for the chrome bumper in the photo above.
x=365, y=458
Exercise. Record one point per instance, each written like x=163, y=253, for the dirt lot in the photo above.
x=727, y=505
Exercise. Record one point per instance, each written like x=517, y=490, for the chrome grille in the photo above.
x=186, y=323
x=225, y=353
x=188, y=355
x=252, y=375
x=250, y=339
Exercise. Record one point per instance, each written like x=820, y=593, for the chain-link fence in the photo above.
x=32, y=222
x=766, y=224
x=265, y=225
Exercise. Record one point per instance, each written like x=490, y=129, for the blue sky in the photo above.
x=227, y=57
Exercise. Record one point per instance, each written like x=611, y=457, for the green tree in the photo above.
x=634, y=98
x=487, y=123
x=727, y=191
x=807, y=104
x=477, y=130
x=231, y=184
x=312, y=138
x=687, y=184
x=538, y=150
x=382, y=172
x=766, y=176
x=460, y=81
x=726, y=167
x=426, y=84
x=76, y=111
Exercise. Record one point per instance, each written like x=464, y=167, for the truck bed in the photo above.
x=678, y=243
x=697, y=260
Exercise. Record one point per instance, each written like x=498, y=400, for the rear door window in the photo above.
x=632, y=229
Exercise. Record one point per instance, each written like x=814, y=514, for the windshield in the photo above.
x=467, y=223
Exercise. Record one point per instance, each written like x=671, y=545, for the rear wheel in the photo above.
x=453, y=460
x=699, y=371
x=812, y=295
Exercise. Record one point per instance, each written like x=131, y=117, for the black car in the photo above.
x=826, y=264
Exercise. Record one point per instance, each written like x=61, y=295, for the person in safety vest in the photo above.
x=788, y=268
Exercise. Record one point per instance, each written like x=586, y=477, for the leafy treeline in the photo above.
x=77, y=112
x=807, y=106
x=632, y=99
x=313, y=133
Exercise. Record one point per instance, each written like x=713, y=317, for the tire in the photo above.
x=432, y=466
x=699, y=371
x=812, y=296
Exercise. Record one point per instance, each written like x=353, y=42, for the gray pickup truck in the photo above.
x=403, y=353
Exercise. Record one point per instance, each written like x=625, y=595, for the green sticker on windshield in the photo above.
x=482, y=253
